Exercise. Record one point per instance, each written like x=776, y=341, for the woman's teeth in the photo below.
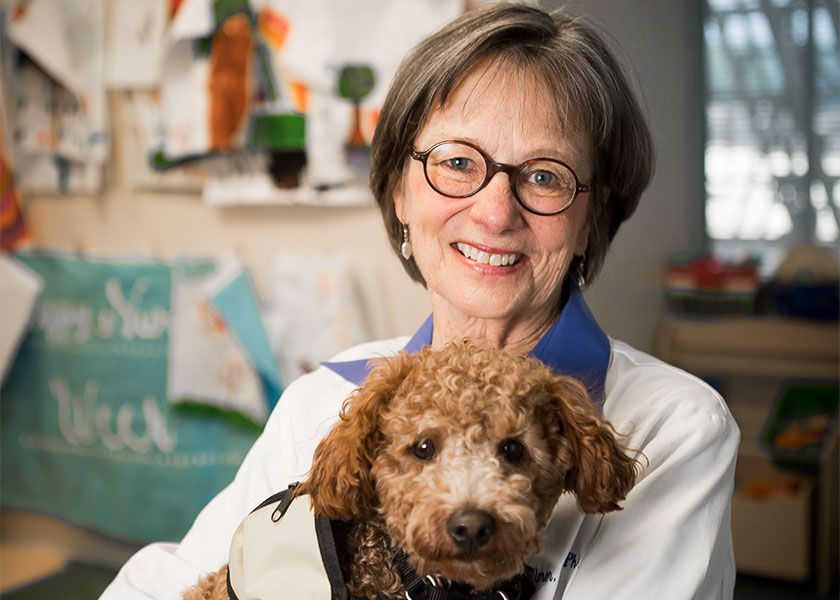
x=494, y=260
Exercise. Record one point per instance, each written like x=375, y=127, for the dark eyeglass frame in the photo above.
x=512, y=171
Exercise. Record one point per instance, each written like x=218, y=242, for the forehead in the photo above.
x=457, y=405
x=508, y=111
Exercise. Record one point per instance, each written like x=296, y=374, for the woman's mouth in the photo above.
x=486, y=258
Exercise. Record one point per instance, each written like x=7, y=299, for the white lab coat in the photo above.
x=672, y=539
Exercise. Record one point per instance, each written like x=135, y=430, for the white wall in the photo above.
x=627, y=299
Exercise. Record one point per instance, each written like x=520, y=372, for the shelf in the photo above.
x=751, y=358
x=769, y=346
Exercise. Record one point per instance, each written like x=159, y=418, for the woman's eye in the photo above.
x=512, y=450
x=543, y=178
x=459, y=163
x=423, y=450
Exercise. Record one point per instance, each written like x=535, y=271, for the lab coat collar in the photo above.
x=575, y=346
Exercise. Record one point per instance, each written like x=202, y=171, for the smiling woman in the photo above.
x=509, y=305
x=562, y=67
x=509, y=151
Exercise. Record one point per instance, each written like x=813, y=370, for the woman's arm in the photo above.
x=672, y=539
x=280, y=455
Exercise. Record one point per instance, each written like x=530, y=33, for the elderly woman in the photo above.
x=509, y=151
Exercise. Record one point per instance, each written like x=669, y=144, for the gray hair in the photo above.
x=588, y=88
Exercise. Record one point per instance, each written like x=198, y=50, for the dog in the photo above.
x=456, y=458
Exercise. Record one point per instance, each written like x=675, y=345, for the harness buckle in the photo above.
x=433, y=581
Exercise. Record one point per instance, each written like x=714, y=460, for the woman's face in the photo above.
x=506, y=115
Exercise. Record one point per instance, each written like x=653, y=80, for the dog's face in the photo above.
x=463, y=454
x=468, y=471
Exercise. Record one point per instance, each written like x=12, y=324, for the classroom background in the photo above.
x=186, y=229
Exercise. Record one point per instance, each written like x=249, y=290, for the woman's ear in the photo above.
x=601, y=474
x=340, y=483
x=582, y=239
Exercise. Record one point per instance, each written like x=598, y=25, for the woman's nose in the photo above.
x=495, y=206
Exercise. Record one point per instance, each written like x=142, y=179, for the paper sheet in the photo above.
x=134, y=43
x=56, y=96
x=316, y=309
x=207, y=363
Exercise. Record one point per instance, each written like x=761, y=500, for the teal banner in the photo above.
x=86, y=430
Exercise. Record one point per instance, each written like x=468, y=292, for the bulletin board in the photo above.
x=87, y=429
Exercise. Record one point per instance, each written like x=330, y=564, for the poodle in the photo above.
x=456, y=458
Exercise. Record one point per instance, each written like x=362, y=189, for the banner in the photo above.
x=86, y=430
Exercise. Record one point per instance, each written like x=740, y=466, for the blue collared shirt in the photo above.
x=575, y=345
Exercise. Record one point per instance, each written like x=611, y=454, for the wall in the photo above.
x=657, y=38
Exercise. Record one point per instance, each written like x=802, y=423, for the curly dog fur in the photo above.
x=457, y=456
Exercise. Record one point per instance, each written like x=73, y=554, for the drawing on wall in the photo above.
x=251, y=101
x=231, y=57
x=355, y=82
x=56, y=106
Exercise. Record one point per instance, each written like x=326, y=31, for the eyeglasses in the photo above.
x=457, y=169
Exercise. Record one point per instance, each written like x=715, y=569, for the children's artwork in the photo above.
x=87, y=432
x=207, y=81
x=141, y=125
x=134, y=43
x=57, y=105
x=298, y=84
x=319, y=306
x=219, y=354
x=333, y=61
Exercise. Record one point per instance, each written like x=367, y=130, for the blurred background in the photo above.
x=186, y=229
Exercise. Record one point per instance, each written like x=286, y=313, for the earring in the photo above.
x=580, y=270
x=405, y=247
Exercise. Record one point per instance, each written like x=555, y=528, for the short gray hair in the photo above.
x=588, y=87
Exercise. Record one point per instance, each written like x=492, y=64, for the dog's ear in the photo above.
x=340, y=482
x=601, y=473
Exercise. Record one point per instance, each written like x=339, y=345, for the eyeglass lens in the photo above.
x=459, y=170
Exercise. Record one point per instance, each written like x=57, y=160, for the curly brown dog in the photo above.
x=457, y=457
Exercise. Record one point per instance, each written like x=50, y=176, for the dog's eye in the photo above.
x=512, y=450
x=424, y=450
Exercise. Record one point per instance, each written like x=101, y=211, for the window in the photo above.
x=772, y=147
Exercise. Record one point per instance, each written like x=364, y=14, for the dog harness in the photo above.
x=283, y=549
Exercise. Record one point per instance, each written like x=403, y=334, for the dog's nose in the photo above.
x=471, y=529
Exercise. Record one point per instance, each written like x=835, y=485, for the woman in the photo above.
x=509, y=150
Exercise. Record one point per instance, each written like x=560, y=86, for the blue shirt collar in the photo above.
x=575, y=345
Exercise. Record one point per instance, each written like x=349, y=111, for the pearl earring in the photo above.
x=581, y=270
x=405, y=247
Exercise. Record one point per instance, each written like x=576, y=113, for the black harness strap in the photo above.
x=412, y=582
x=520, y=587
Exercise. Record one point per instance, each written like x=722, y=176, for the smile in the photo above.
x=485, y=258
